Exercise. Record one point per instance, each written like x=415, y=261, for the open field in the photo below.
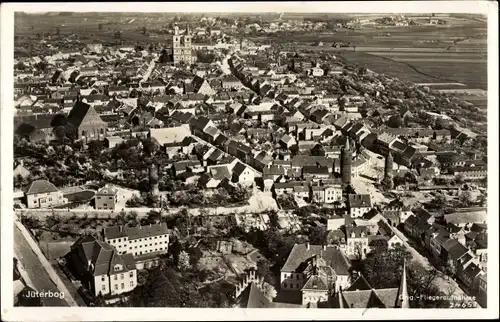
x=472, y=71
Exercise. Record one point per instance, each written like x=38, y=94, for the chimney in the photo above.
x=121, y=228
x=324, y=247
x=308, y=246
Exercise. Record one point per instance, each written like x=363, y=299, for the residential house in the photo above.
x=43, y=194
x=243, y=175
x=101, y=268
x=202, y=86
x=106, y=198
x=359, y=204
x=357, y=238
x=309, y=265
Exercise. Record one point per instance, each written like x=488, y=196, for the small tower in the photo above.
x=346, y=162
x=403, y=299
x=389, y=161
x=153, y=180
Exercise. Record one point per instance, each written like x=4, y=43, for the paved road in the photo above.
x=38, y=275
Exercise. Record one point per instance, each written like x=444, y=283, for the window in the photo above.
x=123, y=286
x=105, y=205
x=284, y=285
x=104, y=287
x=116, y=277
x=131, y=274
x=103, y=278
x=298, y=286
x=131, y=283
x=116, y=286
x=50, y=198
x=291, y=285
x=122, y=276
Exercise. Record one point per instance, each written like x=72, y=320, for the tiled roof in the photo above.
x=315, y=282
x=252, y=297
x=41, y=186
x=83, y=112
x=220, y=172
x=359, y=201
x=102, y=256
x=331, y=255
x=135, y=232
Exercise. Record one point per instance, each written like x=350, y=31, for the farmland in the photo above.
x=453, y=53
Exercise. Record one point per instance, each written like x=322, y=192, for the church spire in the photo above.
x=346, y=146
x=188, y=31
x=403, y=298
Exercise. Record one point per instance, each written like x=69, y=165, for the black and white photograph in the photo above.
x=250, y=156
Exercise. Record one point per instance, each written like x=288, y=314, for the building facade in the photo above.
x=182, y=47
x=100, y=268
x=43, y=194
x=106, y=199
x=140, y=240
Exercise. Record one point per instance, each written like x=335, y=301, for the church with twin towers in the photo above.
x=182, y=47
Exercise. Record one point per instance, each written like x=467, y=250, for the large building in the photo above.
x=316, y=271
x=145, y=243
x=101, y=268
x=182, y=48
x=88, y=123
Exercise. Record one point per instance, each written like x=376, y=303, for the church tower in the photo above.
x=403, y=299
x=389, y=162
x=346, y=163
x=153, y=180
x=182, y=46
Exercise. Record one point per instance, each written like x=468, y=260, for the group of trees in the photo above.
x=383, y=268
x=195, y=197
x=169, y=286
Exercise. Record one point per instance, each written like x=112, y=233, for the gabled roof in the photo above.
x=41, y=186
x=331, y=255
x=315, y=283
x=135, y=232
x=252, y=297
x=360, y=284
x=239, y=168
x=83, y=113
x=102, y=256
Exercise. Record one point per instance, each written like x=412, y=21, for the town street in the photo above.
x=35, y=270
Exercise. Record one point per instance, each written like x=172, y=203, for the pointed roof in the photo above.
x=360, y=284
x=403, y=300
x=41, y=186
x=83, y=113
x=346, y=146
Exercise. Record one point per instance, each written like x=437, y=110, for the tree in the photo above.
x=183, y=261
x=465, y=199
x=387, y=183
x=317, y=235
